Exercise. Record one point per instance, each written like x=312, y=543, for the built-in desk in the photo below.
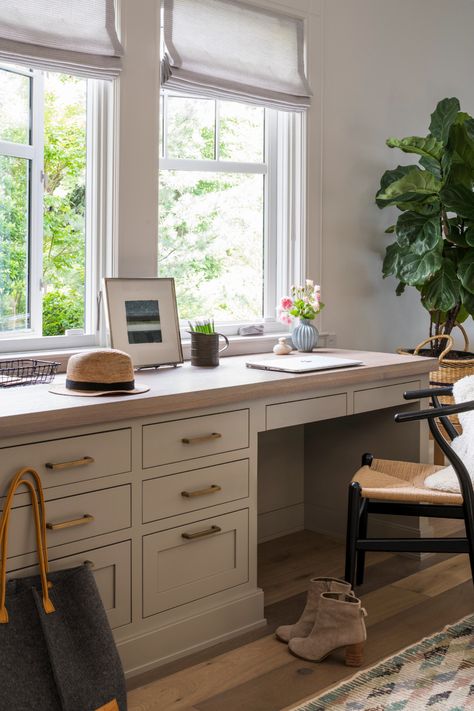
x=179, y=483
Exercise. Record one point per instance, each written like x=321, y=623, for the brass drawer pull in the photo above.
x=70, y=465
x=203, y=438
x=201, y=534
x=213, y=489
x=87, y=518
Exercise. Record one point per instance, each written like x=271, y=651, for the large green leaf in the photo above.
x=429, y=147
x=416, y=269
x=392, y=261
x=390, y=176
x=418, y=232
x=468, y=301
x=416, y=186
x=469, y=236
x=461, y=144
x=458, y=199
x=433, y=165
x=456, y=237
x=443, y=117
x=466, y=271
x=442, y=291
x=429, y=208
x=458, y=161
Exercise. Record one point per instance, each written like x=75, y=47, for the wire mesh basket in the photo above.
x=26, y=371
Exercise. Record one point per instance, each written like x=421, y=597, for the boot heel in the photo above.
x=354, y=654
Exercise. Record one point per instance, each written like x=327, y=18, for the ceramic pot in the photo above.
x=205, y=349
x=305, y=336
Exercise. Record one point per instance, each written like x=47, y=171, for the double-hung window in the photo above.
x=232, y=165
x=54, y=148
x=44, y=244
x=231, y=207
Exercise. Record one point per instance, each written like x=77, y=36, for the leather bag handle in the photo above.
x=38, y=505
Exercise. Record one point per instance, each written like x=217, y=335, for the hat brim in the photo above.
x=63, y=390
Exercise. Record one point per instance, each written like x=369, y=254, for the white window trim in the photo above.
x=99, y=219
x=285, y=206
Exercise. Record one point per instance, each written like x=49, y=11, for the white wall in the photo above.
x=385, y=66
x=377, y=68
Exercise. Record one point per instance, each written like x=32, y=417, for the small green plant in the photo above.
x=204, y=326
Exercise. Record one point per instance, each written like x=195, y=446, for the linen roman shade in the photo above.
x=232, y=50
x=71, y=36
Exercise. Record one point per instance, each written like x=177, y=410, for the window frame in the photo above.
x=98, y=214
x=284, y=171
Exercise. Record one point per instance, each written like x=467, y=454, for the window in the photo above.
x=46, y=285
x=228, y=231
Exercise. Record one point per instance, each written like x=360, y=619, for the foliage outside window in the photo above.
x=43, y=156
x=214, y=202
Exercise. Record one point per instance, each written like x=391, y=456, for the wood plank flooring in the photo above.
x=405, y=600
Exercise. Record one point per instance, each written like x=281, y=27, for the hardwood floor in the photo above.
x=405, y=600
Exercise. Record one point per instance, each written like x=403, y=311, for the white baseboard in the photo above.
x=281, y=522
x=192, y=634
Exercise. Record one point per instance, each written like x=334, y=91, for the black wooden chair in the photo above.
x=397, y=488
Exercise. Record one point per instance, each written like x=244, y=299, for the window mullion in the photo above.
x=36, y=205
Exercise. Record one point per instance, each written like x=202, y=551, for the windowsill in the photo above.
x=239, y=345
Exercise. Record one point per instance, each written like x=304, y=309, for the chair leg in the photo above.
x=362, y=533
x=469, y=524
x=353, y=512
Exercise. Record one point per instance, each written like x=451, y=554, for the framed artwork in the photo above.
x=143, y=320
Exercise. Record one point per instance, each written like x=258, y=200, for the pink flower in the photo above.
x=286, y=303
x=285, y=318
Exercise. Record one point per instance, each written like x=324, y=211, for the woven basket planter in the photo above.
x=453, y=364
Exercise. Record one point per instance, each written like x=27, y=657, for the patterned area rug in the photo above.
x=435, y=674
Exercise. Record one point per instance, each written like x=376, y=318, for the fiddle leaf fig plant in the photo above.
x=433, y=249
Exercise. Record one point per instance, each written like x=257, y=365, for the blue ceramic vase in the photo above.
x=305, y=336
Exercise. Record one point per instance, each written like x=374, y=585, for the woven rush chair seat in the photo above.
x=389, y=480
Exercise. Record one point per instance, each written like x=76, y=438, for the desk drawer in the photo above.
x=382, y=397
x=178, y=570
x=299, y=412
x=112, y=572
x=91, y=514
x=179, y=440
x=195, y=490
x=72, y=459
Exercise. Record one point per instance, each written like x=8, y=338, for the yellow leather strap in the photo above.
x=36, y=493
x=111, y=706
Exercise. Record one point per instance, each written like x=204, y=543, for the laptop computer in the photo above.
x=302, y=364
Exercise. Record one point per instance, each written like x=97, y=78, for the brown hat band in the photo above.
x=80, y=385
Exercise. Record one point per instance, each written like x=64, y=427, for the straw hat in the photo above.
x=101, y=372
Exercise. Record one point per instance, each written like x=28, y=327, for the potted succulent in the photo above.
x=304, y=303
x=433, y=249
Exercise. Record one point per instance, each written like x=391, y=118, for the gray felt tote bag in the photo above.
x=57, y=652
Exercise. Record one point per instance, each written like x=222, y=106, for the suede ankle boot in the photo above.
x=305, y=624
x=339, y=623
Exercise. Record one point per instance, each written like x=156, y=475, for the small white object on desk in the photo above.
x=282, y=347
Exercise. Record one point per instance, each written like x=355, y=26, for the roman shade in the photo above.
x=71, y=36
x=232, y=50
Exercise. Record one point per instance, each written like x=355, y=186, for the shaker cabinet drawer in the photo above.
x=71, y=519
x=71, y=459
x=312, y=409
x=193, y=561
x=179, y=440
x=194, y=490
x=111, y=568
x=382, y=397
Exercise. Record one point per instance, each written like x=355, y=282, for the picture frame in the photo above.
x=142, y=318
